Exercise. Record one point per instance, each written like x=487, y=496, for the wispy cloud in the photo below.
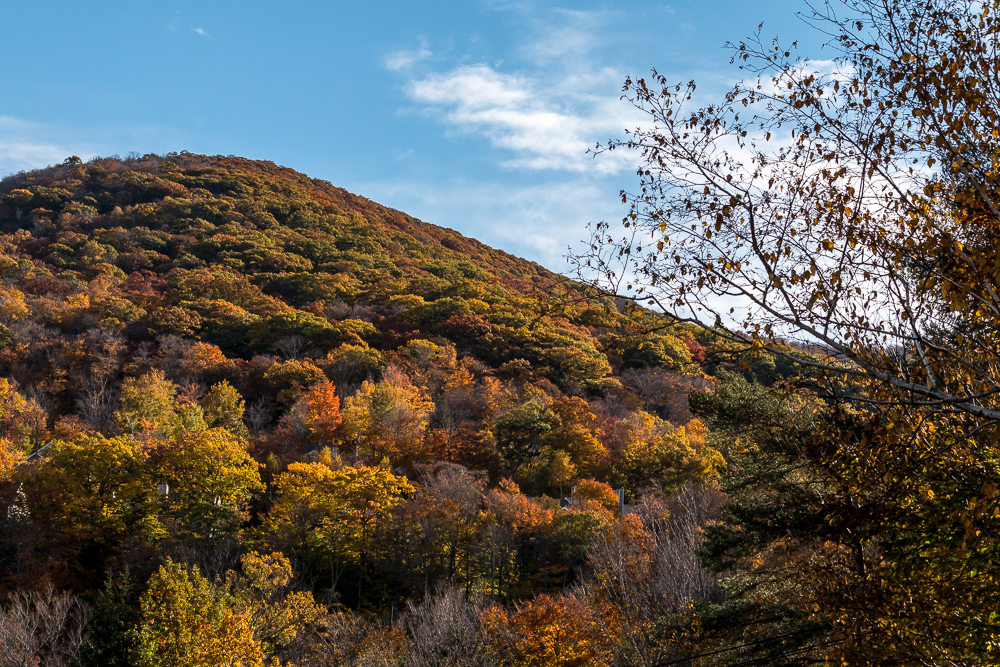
x=25, y=146
x=19, y=155
x=541, y=102
x=566, y=37
x=560, y=101
x=543, y=129
x=406, y=58
x=202, y=32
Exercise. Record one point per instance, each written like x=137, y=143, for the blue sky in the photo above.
x=474, y=115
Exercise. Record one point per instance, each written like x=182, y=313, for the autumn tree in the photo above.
x=12, y=306
x=367, y=496
x=206, y=479
x=317, y=412
x=328, y=517
x=302, y=521
x=547, y=632
x=93, y=490
x=428, y=364
x=816, y=236
x=510, y=522
x=148, y=403
x=850, y=205
x=188, y=620
x=10, y=458
x=590, y=490
x=387, y=418
x=577, y=435
x=449, y=521
x=291, y=378
x=223, y=406
x=263, y=593
x=655, y=450
x=22, y=420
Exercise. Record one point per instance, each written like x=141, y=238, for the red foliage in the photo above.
x=696, y=350
x=473, y=449
x=465, y=330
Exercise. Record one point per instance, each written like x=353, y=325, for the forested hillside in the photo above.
x=248, y=418
x=246, y=413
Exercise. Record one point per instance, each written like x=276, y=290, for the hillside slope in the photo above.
x=261, y=260
x=196, y=348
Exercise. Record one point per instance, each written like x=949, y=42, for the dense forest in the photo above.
x=249, y=416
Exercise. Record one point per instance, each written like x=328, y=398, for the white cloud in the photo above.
x=829, y=70
x=540, y=103
x=407, y=58
x=561, y=101
x=517, y=113
x=25, y=146
x=521, y=6
x=571, y=36
x=18, y=155
x=202, y=32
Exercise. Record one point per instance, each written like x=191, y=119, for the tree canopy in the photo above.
x=255, y=419
x=849, y=205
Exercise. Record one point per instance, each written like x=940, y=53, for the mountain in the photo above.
x=126, y=257
x=217, y=372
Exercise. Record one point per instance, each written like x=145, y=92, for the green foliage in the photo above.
x=577, y=369
x=754, y=414
x=313, y=329
x=520, y=430
x=211, y=478
x=353, y=364
x=224, y=407
x=112, y=639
